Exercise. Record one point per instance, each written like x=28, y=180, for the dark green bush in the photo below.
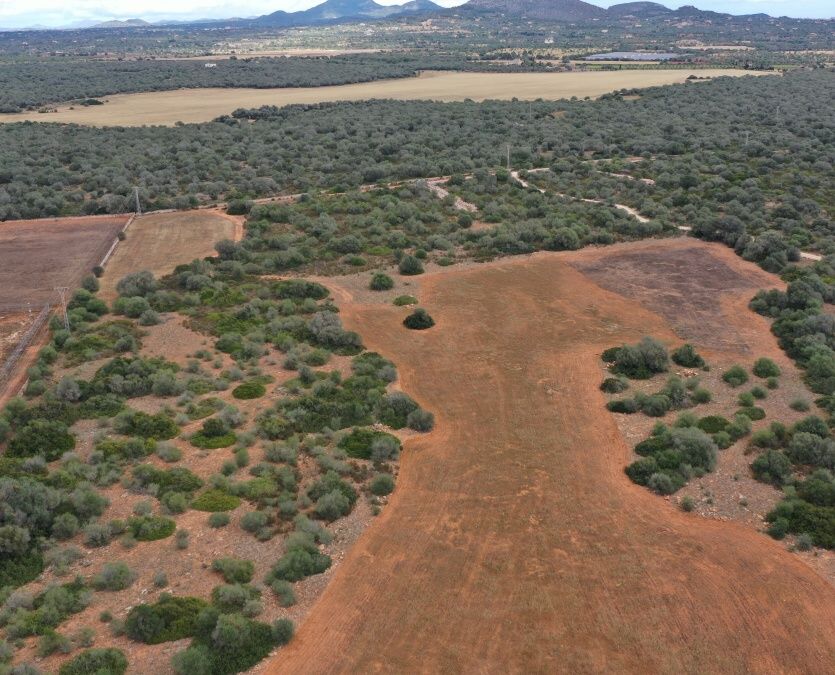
x=712, y=424
x=626, y=405
x=360, y=441
x=764, y=368
x=382, y=484
x=96, y=661
x=773, y=467
x=48, y=438
x=234, y=570
x=641, y=361
x=687, y=357
x=753, y=413
x=410, y=266
x=301, y=559
x=249, y=390
x=735, y=376
x=170, y=618
x=614, y=385
x=381, y=282
x=402, y=300
x=151, y=528
x=419, y=320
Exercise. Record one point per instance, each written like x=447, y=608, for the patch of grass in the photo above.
x=402, y=300
x=249, y=390
x=151, y=528
x=215, y=500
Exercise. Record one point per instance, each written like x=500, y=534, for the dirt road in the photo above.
x=514, y=542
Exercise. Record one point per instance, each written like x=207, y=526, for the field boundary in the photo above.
x=22, y=345
x=116, y=241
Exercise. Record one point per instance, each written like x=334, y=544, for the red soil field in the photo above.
x=514, y=542
x=37, y=255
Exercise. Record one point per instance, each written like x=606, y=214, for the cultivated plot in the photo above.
x=203, y=105
x=514, y=541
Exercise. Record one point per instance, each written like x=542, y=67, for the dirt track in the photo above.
x=514, y=543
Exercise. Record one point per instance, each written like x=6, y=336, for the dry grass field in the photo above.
x=202, y=105
x=160, y=241
x=513, y=529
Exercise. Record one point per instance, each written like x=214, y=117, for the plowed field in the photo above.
x=514, y=542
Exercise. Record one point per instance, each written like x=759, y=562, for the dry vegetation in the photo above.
x=202, y=105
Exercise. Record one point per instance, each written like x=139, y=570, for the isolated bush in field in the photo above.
x=800, y=405
x=115, y=576
x=745, y=399
x=764, y=368
x=735, y=376
x=410, y=266
x=614, y=385
x=381, y=282
x=687, y=357
x=217, y=520
x=687, y=503
x=402, y=300
x=420, y=420
x=419, y=320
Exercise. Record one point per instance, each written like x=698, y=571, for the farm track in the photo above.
x=514, y=542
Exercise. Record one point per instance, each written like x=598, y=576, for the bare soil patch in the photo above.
x=37, y=255
x=513, y=529
x=160, y=241
x=203, y=105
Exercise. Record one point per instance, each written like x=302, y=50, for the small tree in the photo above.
x=410, y=266
x=381, y=282
x=419, y=320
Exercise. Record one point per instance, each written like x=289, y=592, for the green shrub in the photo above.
x=641, y=361
x=614, y=385
x=151, y=528
x=700, y=395
x=136, y=423
x=687, y=503
x=661, y=483
x=230, y=598
x=382, y=484
x=753, y=413
x=284, y=592
x=759, y=393
x=419, y=320
x=773, y=467
x=282, y=631
x=381, y=282
x=170, y=618
x=655, y=405
x=234, y=570
x=713, y=424
x=48, y=438
x=402, y=300
x=410, y=266
x=359, y=442
x=745, y=399
x=215, y=500
x=420, y=420
x=217, y=520
x=96, y=661
x=687, y=357
x=249, y=390
x=800, y=405
x=735, y=376
x=115, y=576
x=764, y=368
x=625, y=405
x=301, y=559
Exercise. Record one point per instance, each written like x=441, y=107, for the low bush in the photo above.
x=614, y=385
x=382, y=484
x=735, y=376
x=284, y=592
x=301, y=559
x=381, y=282
x=753, y=413
x=96, y=661
x=687, y=357
x=170, y=618
x=640, y=361
x=625, y=405
x=114, y=576
x=410, y=266
x=402, y=300
x=712, y=424
x=249, y=390
x=217, y=520
x=234, y=570
x=282, y=631
x=151, y=528
x=419, y=320
x=359, y=442
x=215, y=500
x=765, y=368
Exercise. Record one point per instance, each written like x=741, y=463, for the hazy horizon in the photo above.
x=59, y=13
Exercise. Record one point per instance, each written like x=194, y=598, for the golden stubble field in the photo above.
x=203, y=105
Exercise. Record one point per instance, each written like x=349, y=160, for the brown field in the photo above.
x=203, y=105
x=37, y=255
x=160, y=241
x=514, y=542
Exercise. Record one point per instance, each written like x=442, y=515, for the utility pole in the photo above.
x=136, y=197
x=62, y=294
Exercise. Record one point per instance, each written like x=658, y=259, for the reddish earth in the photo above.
x=37, y=255
x=514, y=542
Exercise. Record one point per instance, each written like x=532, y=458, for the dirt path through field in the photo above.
x=514, y=543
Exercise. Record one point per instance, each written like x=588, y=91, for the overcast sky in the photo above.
x=21, y=13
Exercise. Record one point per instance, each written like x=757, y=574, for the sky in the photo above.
x=24, y=13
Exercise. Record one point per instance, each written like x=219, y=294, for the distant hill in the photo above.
x=127, y=23
x=333, y=10
x=548, y=10
x=641, y=10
